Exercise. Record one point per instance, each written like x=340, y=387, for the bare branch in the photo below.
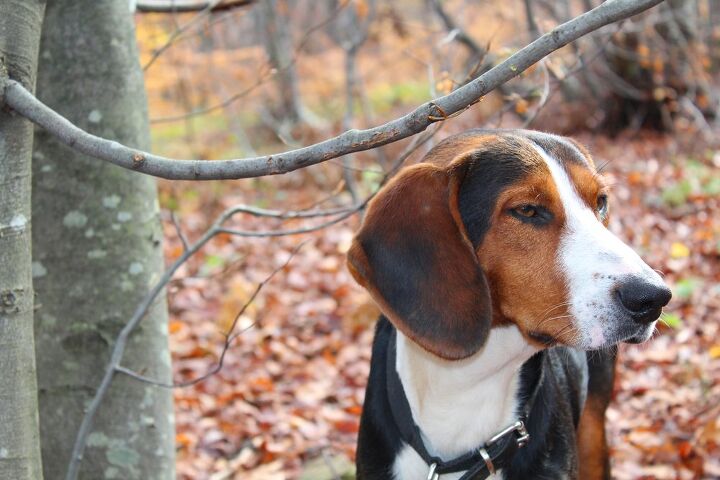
x=179, y=232
x=458, y=33
x=543, y=97
x=262, y=77
x=294, y=231
x=24, y=103
x=284, y=215
x=209, y=6
x=481, y=60
x=181, y=6
x=580, y=66
x=530, y=18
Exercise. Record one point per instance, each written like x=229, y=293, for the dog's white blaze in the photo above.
x=593, y=260
x=459, y=405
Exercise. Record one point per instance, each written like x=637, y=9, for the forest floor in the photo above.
x=287, y=401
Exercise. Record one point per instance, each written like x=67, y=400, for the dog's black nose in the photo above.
x=643, y=300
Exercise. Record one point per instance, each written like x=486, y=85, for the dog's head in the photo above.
x=497, y=228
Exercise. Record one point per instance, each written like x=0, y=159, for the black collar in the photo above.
x=479, y=463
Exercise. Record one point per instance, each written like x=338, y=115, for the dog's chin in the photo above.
x=625, y=332
x=634, y=333
x=643, y=335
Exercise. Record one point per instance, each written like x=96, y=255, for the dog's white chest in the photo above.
x=459, y=405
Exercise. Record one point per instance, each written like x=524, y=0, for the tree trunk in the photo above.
x=273, y=19
x=350, y=31
x=712, y=37
x=97, y=250
x=20, y=23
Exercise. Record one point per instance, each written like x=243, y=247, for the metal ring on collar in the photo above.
x=488, y=461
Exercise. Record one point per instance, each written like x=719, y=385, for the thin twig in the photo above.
x=267, y=72
x=580, y=65
x=229, y=336
x=262, y=212
x=262, y=78
x=175, y=6
x=209, y=6
x=179, y=232
x=457, y=33
x=543, y=97
x=294, y=231
x=356, y=169
x=530, y=18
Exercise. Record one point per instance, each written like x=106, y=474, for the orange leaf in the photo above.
x=685, y=449
x=175, y=326
x=354, y=409
x=635, y=178
x=183, y=440
x=521, y=106
x=347, y=426
x=263, y=383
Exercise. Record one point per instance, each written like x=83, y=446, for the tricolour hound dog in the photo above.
x=502, y=294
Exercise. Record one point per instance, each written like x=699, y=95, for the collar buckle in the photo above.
x=518, y=428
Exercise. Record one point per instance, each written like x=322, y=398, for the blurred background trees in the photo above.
x=655, y=71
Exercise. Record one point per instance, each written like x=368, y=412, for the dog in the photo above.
x=502, y=295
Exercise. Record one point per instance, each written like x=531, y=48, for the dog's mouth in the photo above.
x=544, y=339
x=635, y=340
x=636, y=334
x=624, y=331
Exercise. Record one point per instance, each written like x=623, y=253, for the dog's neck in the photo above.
x=459, y=405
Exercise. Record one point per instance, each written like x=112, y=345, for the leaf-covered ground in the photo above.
x=288, y=398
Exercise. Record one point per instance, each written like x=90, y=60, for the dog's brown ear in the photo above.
x=414, y=257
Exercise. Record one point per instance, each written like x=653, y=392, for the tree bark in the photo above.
x=274, y=22
x=20, y=23
x=97, y=251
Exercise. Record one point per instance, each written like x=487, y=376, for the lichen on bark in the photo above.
x=97, y=236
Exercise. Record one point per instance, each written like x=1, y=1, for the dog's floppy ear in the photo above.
x=414, y=257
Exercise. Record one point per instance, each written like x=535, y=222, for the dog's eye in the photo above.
x=533, y=214
x=527, y=211
x=602, y=205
